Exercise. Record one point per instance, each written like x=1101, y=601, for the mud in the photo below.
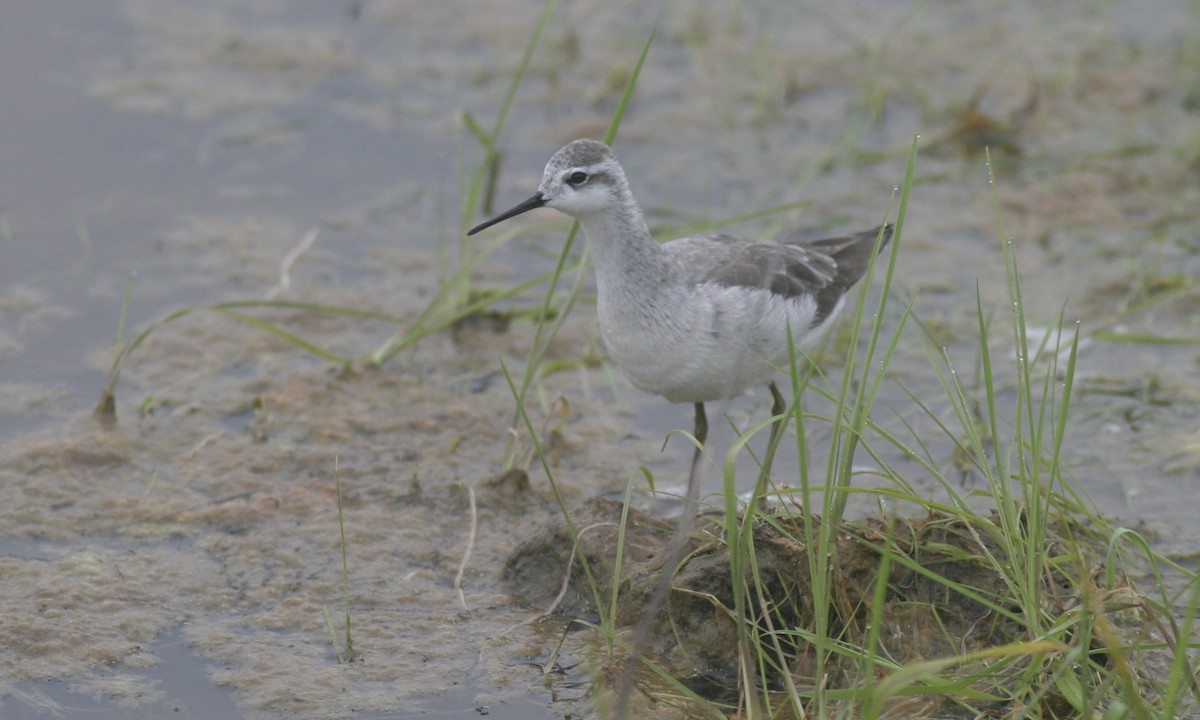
x=944, y=598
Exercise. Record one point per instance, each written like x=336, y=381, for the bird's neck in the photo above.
x=626, y=257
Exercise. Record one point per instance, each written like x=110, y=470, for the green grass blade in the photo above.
x=558, y=496
x=279, y=332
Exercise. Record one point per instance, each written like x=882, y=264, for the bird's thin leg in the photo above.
x=778, y=406
x=700, y=432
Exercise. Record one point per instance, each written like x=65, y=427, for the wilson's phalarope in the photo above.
x=700, y=318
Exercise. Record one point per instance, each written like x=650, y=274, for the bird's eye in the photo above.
x=578, y=177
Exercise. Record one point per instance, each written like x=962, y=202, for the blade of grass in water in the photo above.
x=708, y=227
x=349, y=646
x=106, y=408
x=572, y=531
x=866, y=389
x=121, y=322
x=1142, y=339
x=489, y=140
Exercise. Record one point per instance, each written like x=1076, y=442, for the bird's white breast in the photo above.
x=704, y=342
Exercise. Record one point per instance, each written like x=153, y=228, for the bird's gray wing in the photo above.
x=851, y=255
x=821, y=269
x=789, y=270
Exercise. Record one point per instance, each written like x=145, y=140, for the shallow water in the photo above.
x=182, y=149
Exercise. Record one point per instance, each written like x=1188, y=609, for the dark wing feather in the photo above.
x=824, y=269
x=784, y=269
x=852, y=253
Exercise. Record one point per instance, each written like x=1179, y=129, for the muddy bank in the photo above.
x=944, y=597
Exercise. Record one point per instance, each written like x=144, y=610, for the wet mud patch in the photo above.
x=209, y=509
x=943, y=597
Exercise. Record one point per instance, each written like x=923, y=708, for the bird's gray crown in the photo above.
x=581, y=154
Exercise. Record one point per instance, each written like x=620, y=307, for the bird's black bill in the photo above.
x=532, y=203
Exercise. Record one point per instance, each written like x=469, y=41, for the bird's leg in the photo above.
x=700, y=432
x=778, y=406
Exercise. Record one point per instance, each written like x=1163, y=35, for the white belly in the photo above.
x=706, y=344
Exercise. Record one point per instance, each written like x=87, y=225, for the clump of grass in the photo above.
x=822, y=538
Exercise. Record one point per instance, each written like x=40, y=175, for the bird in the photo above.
x=700, y=318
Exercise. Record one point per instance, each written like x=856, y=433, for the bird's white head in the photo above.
x=582, y=179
